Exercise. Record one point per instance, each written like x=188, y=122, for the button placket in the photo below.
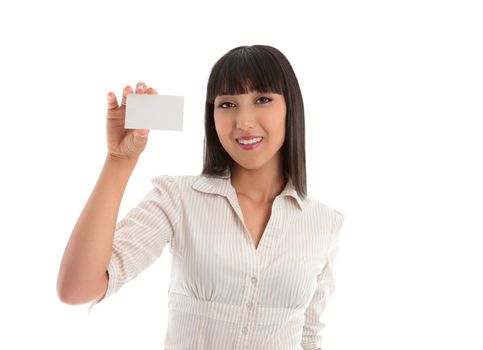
x=250, y=304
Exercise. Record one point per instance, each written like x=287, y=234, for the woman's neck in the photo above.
x=261, y=186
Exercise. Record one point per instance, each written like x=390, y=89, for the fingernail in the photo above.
x=143, y=132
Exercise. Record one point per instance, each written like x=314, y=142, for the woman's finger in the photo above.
x=127, y=90
x=140, y=88
x=111, y=101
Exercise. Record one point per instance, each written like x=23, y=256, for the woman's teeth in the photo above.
x=249, y=142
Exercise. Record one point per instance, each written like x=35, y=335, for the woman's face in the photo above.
x=253, y=114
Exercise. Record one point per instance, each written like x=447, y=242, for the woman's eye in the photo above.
x=224, y=103
x=265, y=98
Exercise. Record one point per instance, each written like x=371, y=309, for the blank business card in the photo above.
x=159, y=112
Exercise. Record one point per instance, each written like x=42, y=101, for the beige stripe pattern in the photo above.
x=224, y=293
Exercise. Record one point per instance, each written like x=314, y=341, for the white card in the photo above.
x=160, y=112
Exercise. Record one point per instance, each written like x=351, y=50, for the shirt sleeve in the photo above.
x=140, y=237
x=314, y=322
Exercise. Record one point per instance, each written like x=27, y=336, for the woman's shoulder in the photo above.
x=189, y=183
x=181, y=181
x=324, y=210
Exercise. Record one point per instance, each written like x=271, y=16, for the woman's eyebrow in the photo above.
x=254, y=92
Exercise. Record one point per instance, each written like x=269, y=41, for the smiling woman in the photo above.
x=252, y=254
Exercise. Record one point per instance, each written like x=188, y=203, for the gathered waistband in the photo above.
x=232, y=313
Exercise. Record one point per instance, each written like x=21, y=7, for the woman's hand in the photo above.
x=121, y=142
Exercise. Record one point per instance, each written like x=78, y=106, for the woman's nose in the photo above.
x=245, y=119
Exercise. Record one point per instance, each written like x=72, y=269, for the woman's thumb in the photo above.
x=141, y=133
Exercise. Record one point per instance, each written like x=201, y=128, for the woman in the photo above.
x=252, y=253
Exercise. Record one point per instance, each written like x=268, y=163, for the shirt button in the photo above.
x=254, y=280
x=244, y=330
x=249, y=305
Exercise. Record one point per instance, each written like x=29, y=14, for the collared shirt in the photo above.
x=224, y=292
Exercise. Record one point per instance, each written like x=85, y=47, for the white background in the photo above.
x=393, y=101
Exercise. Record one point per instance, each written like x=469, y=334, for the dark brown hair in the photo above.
x=264, y=69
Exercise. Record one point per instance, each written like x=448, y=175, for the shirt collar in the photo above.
x=222, y=185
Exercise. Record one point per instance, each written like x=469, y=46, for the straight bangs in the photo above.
x=242, y=71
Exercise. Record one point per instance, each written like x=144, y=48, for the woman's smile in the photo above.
x=249, y=145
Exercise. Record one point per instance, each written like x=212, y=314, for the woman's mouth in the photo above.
x=249, y=144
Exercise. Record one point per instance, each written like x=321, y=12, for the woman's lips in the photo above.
x=249, y=146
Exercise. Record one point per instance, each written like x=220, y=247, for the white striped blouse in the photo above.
x=225, y=293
